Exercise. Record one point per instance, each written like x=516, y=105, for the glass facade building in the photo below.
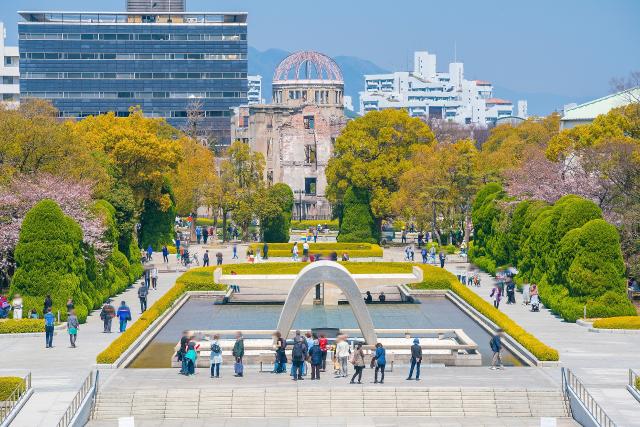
x=176, y=66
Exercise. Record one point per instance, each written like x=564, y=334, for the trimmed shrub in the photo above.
x=433, y=277
x=9, y=384
x=357, y=223
x=156, y=224
x=276, y=228
x=623, y=322
x=355, y=250
x=22, y=326
x=197, y=279
x=49, y=260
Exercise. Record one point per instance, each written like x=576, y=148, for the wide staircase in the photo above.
x=331, y=401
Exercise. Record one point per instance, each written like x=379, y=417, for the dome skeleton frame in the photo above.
x=303, y=63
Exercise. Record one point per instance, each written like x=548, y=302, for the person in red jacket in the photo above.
x=322, y=342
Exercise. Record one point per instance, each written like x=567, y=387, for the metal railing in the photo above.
x=86, y=388
x=570, y=381
x=14, y=398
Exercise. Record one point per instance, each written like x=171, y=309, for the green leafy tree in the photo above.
x=156, y=223
x=276, y=226
x=357, y=223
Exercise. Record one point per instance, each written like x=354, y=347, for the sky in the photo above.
x=570, y=48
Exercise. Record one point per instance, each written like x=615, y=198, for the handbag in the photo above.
x=238, y=368
x=374, y=362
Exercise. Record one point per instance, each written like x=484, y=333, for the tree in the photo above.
x=371, y=154
x=357, y=223
x=194, y=178
x=275, y=223
x=156, y=223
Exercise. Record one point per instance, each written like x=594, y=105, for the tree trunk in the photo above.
x=215, y=214
x=467, y=228
x=434, y=224
x=224, y=225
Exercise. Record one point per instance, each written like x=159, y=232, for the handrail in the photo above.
x=14, y=398
x=86, y=387
x=570, y=381
x=633, y=377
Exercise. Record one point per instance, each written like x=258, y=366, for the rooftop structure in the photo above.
x=427, y=93
x=9, y=73
x=156, y=5
x=582, y=114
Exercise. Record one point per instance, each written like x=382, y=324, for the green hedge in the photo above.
x=9, y=384
x=567, y=249
x=22, y=326
x=357, y=223
x=295, y=267
x=197, y=279
x=437, y=278
x=623, y=322
x=307, y=224
x=355, y=250
x=207, y=222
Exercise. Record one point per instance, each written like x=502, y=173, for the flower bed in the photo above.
x=8, y=386
x=354, y=250
x=198, y=279
x=622, y=322
x=437, y=278
x=22, y=326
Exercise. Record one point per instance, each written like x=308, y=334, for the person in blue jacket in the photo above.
x=124, y=314
x=381, y=362
x=315, y=354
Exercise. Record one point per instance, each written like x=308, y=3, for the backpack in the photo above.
x=215, y=348
x=297, y=353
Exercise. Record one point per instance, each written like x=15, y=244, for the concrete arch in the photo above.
x=336, y=274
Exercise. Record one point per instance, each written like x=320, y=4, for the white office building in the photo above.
x=9, y=72
x=427, y=93
x=254, y=92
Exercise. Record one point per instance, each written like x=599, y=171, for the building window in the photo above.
x=310, y=154
x=310, y=186
x=309, y=122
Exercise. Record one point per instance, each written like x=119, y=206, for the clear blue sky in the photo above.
x=565, y=47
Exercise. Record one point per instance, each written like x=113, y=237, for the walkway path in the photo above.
x=600, y=360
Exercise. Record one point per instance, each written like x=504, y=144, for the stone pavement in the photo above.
x=600, y=360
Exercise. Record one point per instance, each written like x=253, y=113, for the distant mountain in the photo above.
x=353, y=69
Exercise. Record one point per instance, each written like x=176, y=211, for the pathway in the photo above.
x=600, y=360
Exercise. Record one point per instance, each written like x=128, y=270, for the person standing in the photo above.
x=294, y=251
x=143, y=291
x=381, y=362
x=72, y=327
x=192, y=357
x=49, y=324
x=219, y=257
x=124, y=314
x=70, y=305
x=265, y=251
x=496, y=348
x=416, y=359
x=198, y=234
x=511, y=292
x=238, y=354
x=315, y=354
x=357, y=360
x=182, y=351
x=442, y=257
x=149, y=252
x=496, y=294
x=205, y=235
x=305, y=251
x=298, y=356
x=526, y=293
x=47, y=304
x=16, y=303
x=107, y=314
x=205, y=258
x=315, y=235
x=154, y=277
x=165, y=254
x=342, y=353
x=281, y=354
x=403, y=236
x=215, y=357
x=423, y=252
x=322, y=342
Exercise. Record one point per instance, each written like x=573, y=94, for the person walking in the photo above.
x=496, y=294
x=49, y=324
x=235, y=253
x=154, y=277
x=143, y=291
x=165, y=254
x=526, y=293
x=70, y=305
x=219, y=257
x=280, y=364
x=322, y=342
x=107, y=314
x=48, y=303
x=298, y=356
x=294, y=251
x=442, y=256
x=496, y=348
x=124, y=314
x=511, y=292
x=315, y=356
x=423, y=252
x=149, y=252
x=205, y=258
x=342, y=353
x=72, y=327
x=238, y=354
x=17, y=305
x=416, y=359
x=380, y=363
x=215, y=357
x=305, y=251
x=357, y=360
